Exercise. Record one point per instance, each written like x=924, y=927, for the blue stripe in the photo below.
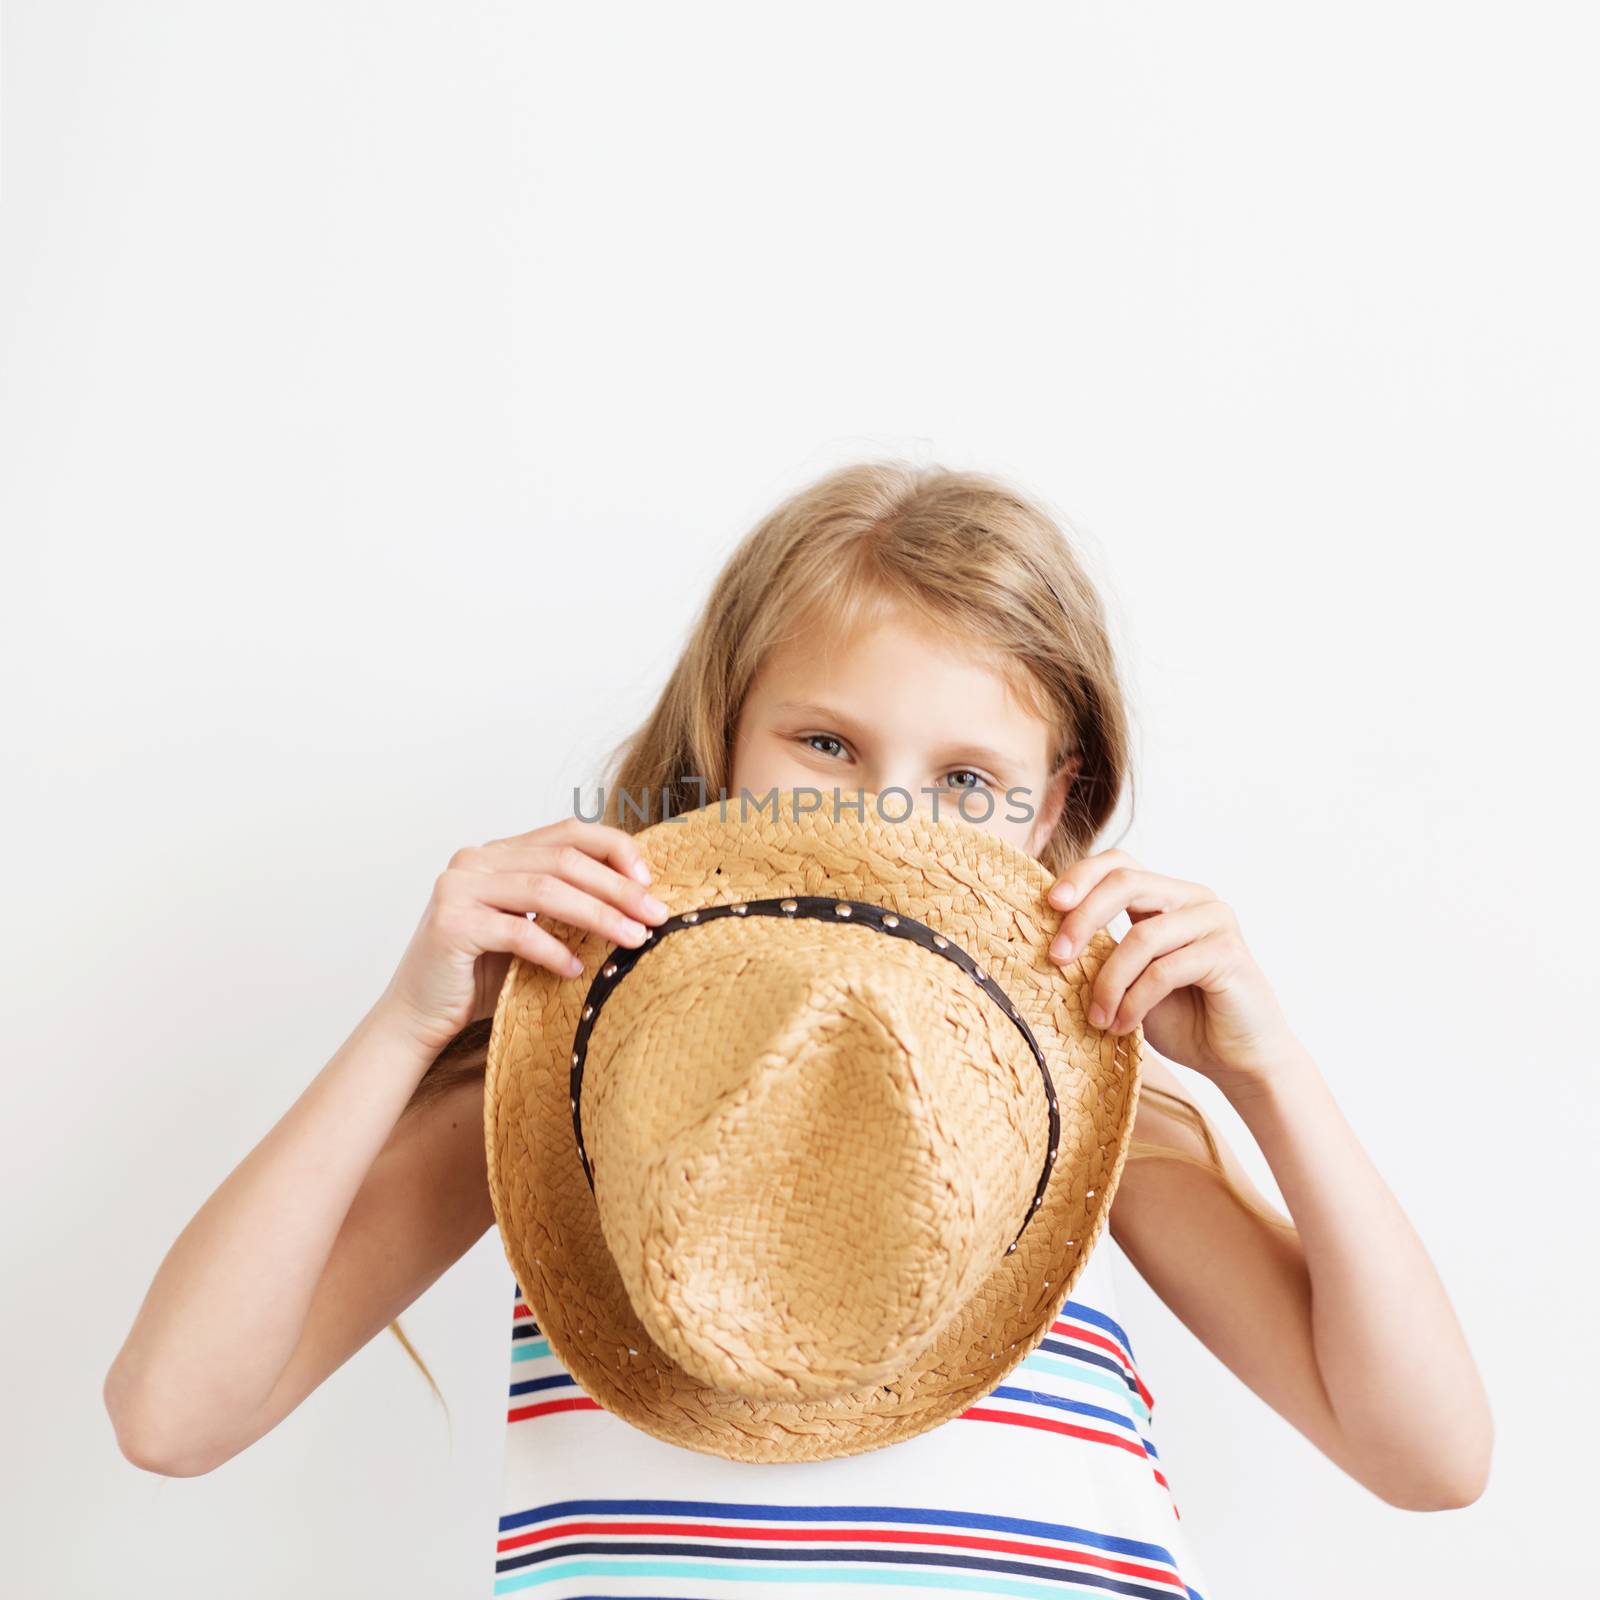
x=528, y=1326
x=1076, y=1308
x=1095, y=1358
x=1038, y=1397
x=852, y=1516
x=1080, y=1366
x=1072, y=1308
x=563, y=1379
x=1005, y=1392
x=560, y=1380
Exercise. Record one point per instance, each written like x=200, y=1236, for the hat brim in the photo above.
x=962, y=881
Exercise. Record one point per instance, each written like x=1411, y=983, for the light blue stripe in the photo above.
x=1081, y=1372
x=1056, y=1366
x=707, y=1572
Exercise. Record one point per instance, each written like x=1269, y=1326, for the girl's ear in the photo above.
x=1055, y=800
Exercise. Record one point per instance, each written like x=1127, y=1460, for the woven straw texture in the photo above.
x=811, y=1143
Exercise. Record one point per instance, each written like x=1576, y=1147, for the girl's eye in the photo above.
x=965, y=778
x=817, y=741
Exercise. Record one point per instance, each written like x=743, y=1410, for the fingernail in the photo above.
x=1097, y=1014
x=1063, y=894
x=654, y=907
x=1062, y=948
x=633, y=932
x=574, y=968
x=641, y=872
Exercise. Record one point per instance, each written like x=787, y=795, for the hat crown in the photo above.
x=841, y=1136
x=956, y=891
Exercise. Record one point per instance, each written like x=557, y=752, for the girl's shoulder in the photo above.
x=1150, y=1186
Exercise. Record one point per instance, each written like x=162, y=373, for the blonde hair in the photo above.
x=961, y=549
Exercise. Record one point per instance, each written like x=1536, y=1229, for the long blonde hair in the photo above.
x=966, y=551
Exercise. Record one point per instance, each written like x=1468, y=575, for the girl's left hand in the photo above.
x=1182, y=970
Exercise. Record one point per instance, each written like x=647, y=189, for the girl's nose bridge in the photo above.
x=897, y=778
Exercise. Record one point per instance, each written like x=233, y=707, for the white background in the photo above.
x=382, y=386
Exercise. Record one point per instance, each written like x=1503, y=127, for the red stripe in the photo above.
x=1088, y=1336
x=1083, y=1335
x=891, y=1536
x=1070, y=1324
x=545, y=1408
x=1050, y=1425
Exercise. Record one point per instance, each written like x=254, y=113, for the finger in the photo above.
x=1130, y=889
x=574, y=864
x=519, y=937
x=1147, y=943
x=554, y=896
x=606, y=843
x=1189, y=964
x=1082, y=875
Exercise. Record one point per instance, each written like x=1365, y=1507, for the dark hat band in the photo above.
x=818, y=908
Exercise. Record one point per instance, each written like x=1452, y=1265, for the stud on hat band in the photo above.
x=819, y=908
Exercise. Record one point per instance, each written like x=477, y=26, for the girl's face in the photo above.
x=898, y=705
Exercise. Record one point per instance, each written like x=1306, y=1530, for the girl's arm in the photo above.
x=1346, y=1330
x=1341, y=1325
x=337, y=1220
x=347, y=1210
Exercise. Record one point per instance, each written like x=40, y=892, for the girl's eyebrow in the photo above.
x=812, y=709
x=980, y=754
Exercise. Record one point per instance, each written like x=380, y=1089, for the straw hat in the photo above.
x=815, y=1167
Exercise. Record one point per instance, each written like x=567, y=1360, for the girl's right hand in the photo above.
x=587, y=874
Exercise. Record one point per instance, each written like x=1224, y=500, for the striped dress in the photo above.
x=1049, y=1486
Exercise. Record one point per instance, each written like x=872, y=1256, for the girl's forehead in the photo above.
x=829, y=648
x=892, y=642
x=897, y=669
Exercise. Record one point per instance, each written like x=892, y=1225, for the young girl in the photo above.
x=888, y=627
